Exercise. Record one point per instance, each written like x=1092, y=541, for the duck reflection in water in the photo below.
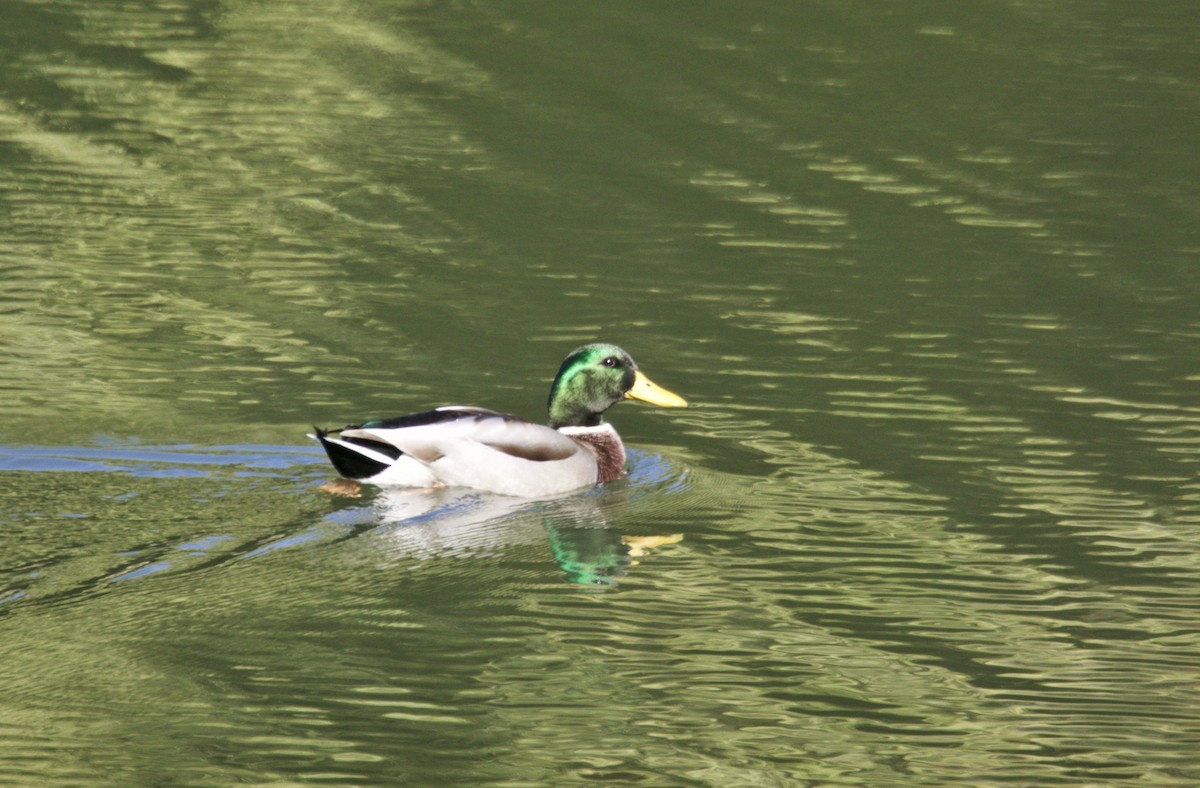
x=425, y=524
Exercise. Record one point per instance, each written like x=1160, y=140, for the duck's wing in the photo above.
x=364, y=459
x=472, y=447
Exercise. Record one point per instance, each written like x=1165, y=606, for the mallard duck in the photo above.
x=458, y=446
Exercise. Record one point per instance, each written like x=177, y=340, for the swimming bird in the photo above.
x=460, y=446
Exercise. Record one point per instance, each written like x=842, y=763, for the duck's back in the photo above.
x=485, y=450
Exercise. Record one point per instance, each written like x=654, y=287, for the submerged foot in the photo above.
x=344, y=487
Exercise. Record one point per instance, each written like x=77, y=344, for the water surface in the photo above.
x=928, y=275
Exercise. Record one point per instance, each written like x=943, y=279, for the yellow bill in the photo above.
x=647, y=390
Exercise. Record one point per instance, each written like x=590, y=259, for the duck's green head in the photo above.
x=593, y=379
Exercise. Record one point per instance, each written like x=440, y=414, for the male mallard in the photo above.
x=460, y=446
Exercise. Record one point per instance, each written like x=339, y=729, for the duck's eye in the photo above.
x=611, y=361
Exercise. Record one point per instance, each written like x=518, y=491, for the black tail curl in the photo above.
x=353, y=464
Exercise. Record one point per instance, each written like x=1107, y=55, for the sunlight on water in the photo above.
x=926, y=276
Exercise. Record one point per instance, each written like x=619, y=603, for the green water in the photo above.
x=927, y=272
